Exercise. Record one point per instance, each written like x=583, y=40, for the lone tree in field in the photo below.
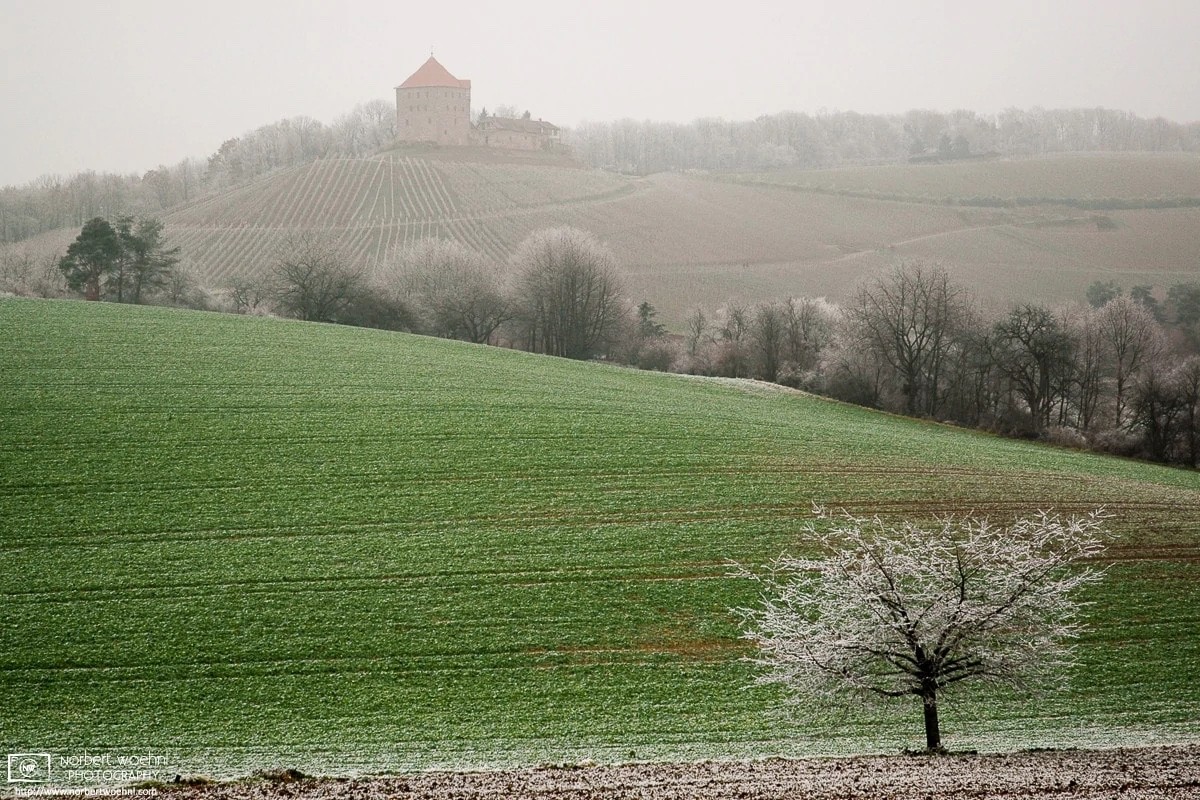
x=894, y=611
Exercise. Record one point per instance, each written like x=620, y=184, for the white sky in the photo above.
x=127, y=85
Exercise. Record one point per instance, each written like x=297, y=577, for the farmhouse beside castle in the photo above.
x=434, y=106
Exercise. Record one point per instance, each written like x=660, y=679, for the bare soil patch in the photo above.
x=1130, y=774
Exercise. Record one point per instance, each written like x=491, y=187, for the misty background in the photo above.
x=125, y=88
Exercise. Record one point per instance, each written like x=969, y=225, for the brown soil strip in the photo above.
x=1130, y=774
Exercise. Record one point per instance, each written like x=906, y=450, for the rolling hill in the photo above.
x=278, y=543
x=1012, y=229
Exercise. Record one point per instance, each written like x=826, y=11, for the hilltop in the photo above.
x=340, y=549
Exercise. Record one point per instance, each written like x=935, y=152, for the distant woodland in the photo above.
x=773, y=141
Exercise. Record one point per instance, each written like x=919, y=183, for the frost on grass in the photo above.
x=893, y=610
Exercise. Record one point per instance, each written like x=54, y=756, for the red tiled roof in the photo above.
x=432, y=73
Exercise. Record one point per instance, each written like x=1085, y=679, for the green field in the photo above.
x=249, y=542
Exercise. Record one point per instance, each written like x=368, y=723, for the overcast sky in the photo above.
x=127, y=85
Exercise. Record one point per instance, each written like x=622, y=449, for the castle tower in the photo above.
x=433, y=106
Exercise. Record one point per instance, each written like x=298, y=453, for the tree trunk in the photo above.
x=1192, y=439
x=933, y=732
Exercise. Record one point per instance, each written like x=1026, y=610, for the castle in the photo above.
x=434, y=106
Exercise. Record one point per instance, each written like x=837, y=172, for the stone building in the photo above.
x=517, y=134
x=433, y=106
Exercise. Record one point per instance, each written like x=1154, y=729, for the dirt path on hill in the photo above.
x=1129, y=774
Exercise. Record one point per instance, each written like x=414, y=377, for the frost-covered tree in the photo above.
x=454, y=291
x=569, y=295
x=901, y=610
x=1134, y=339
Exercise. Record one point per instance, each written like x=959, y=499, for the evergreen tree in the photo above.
x=92, y=256
x=146, y=261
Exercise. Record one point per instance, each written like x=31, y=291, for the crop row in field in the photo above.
x=274, y=542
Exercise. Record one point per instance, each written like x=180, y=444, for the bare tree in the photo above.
x=312, y=278
x=365, y=129
x=1159, y=411
x=1133, y=337
x=248, y=295
x=1091, y=362
x=453, y=290
x=699, y=342
x=855, y=372
x=900, y=610
x=768, y=339
x=1188, y=376
x=569, y=294
x=909, y=317
x=809, y=326
x=183, y=288
x=1035, y=350
x=733, y=328
x=30, y=273
x=698, y=331
x=972, y=393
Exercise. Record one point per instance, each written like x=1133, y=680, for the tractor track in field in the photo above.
x=1129, y=774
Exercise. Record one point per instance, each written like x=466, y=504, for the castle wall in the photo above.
x=433, y=114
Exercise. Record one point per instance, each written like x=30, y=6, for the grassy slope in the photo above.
x=269, y=542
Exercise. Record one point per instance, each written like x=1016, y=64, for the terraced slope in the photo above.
x=685, y=240
x=251, y=542
x=377, y=204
